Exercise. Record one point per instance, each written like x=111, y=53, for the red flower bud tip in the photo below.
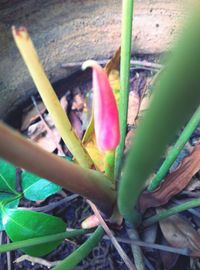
x=106, y=119
x=90, y=222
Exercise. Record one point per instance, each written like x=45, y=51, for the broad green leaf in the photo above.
x=25, y=224
x=8, y=201
x=36, y=188
x=7, y=177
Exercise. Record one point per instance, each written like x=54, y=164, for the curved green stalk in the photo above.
x=41, y=240
x=88, y=183
x=176, y=96
x=80, y=253
x=171, y=211
x=126, y=40
x=176, y=149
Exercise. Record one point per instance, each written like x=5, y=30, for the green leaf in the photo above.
x=25, y=224
x=36, y=188
x=7, y=177
x=7, y=201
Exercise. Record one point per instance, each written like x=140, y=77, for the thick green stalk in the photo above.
x=174, y=152
x=171, y=211
x=41, y=240
x=126, y=40
x=175, y=98
x=80, y=253
x=88, y=183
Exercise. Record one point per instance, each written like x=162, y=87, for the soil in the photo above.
x=73, y=213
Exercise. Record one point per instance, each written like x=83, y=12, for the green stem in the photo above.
x=174, y=152
x=109, y=164
x=174, y=100
x=79, y=254
x=41, y=240
x=171, y=211
x=126, y=40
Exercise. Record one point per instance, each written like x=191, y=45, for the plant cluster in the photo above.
x=175, y=98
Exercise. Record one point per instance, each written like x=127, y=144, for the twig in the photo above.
x=136, y=250
x=121, y=252
x=148, y=264
x=134, y=63
x=51, y=206
x=181, y=251
x=9, y=267
x=47, y=127
x=35, y=260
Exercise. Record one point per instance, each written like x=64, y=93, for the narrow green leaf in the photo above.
x=7, y=201
x=7, y=177
x=25, y=224
x=36, y=188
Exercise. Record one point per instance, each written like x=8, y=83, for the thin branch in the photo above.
x=35, y=260
x=136, y=250
x=181, y=251
x=121, y=252
x=134, y=63
x=51, y=206
x=9, y=267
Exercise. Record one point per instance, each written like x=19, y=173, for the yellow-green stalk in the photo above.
x=61, y=121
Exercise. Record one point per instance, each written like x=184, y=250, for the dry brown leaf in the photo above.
x=32, y=115
x=113, y=63
x=78, y=102
x=193, y=185
x=47, y=139
x=174, y=183
x=179, y=233
x=168, y=259
x=144, y=104
x=128, y=140
x=133, y=107
x=194, y=263
x=76, y=124
x=64, y=103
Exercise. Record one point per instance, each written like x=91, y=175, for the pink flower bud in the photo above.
x=106, y=120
